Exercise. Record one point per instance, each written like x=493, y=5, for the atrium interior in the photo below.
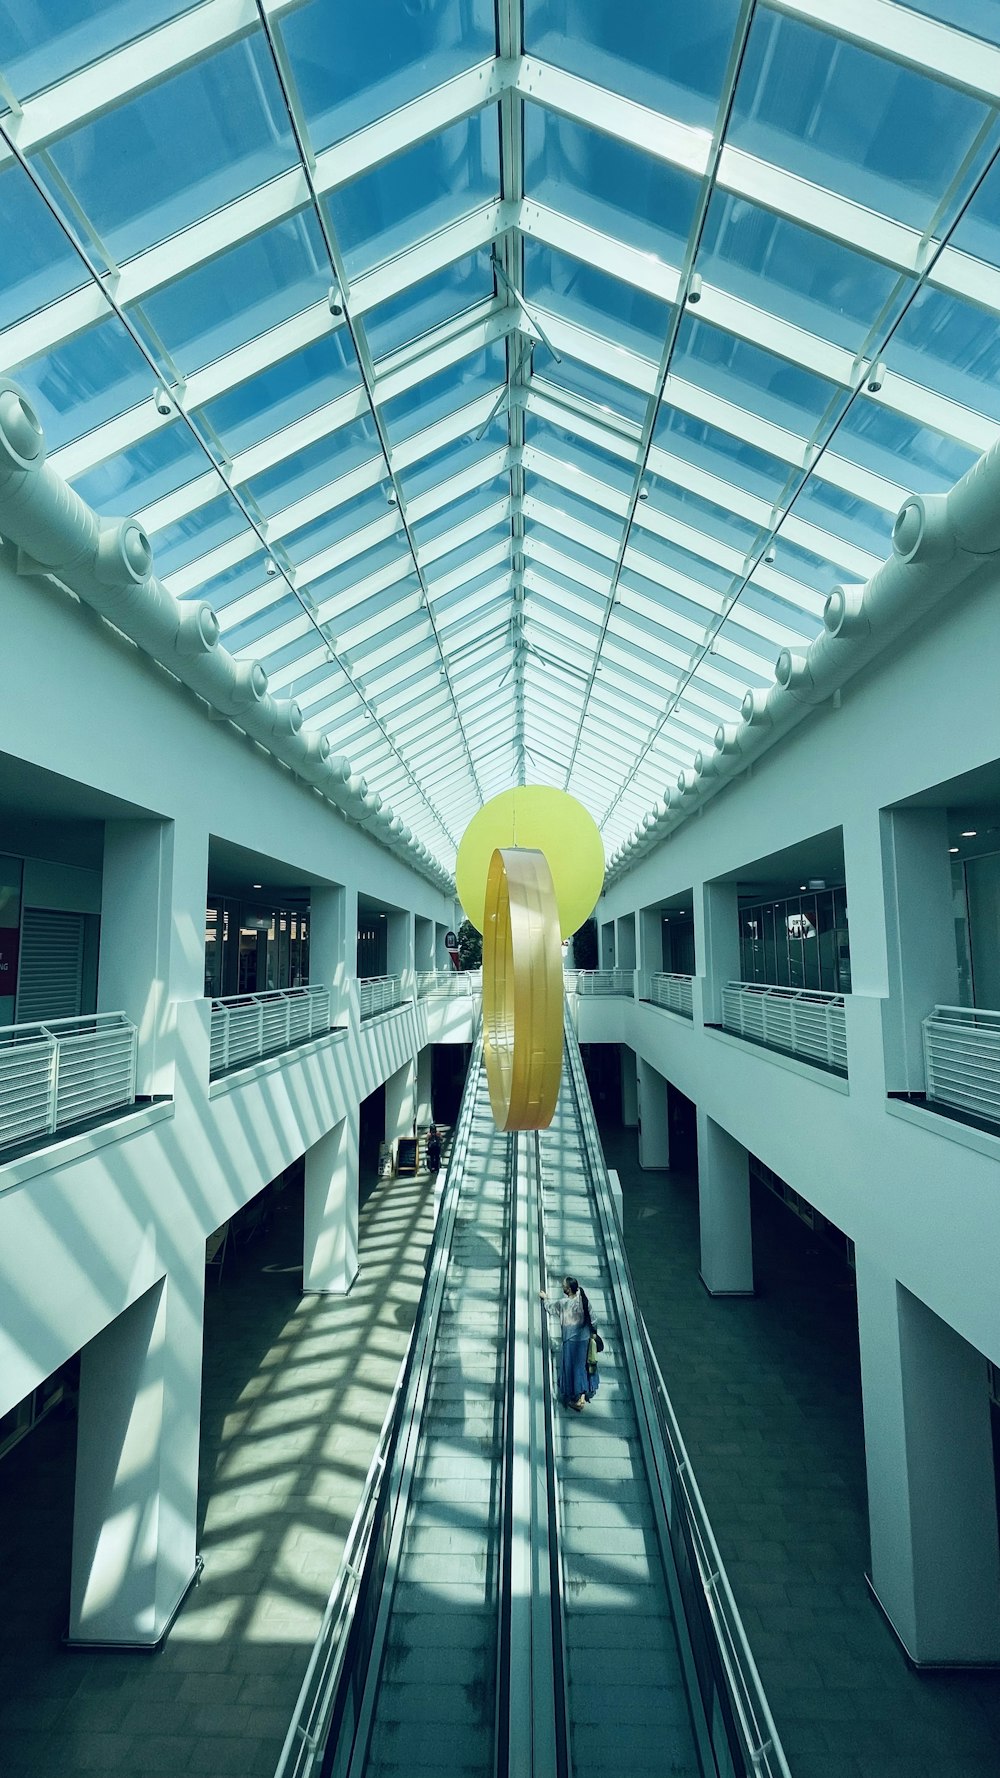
x=402, y=404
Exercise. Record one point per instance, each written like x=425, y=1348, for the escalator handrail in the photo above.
x=556, y=1591
x=758, y=1747
x=321, y=1693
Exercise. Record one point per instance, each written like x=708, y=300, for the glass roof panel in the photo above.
x=783, y=269
x=442, y=297
x=751, y=377
x=40, y=49
x=46, y=266
x=614, y=401
x=952, y=346
x=317, y=466
x=355, y=64
x=462, y=453
x=285, y=392
x=579, y=453
x=85, y=381
x=239, y=295
x=670, y=59
x=149, y=470
x=584, y=294
x=851, y=121
x=440, y=395
x=417, y=192
x=178, y=152
x=184, y=541
x=607, y=184
x=755, y=430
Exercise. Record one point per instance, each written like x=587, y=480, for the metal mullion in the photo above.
x=464, y=533
x=546, y=556
x=431, y=254
x=300, y=134
x=901, y=35
x=445, y=584
x=442, y=494
x=554, y=519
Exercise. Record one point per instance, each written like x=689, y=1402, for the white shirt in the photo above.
x=571, y=1310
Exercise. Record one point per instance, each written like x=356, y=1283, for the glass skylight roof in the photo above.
x=455, y=445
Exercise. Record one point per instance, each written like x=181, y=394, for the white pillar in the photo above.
x=717, y=944
x=724, y=1211
x=399, y=952
x=630, y=1087
x=650, y=945
x=625, y=942
x=931, y=1488
x=330, y=1224
x=400, y=1102
x=654, y=1135
x=152, y=952
x=425, y=1075
x=135, y=1512
x=329, y=964
x=919, y=933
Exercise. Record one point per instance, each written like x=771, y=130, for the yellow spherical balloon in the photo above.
x=551, y=820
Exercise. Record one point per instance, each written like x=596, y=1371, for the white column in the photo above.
x=400, y=1102
x=425, y=1073
x=625, y=942
x=717, y=944
x=399, y=951
x=919, y=935
x=328, y=947
x=724, y=1211
x=330, y=1227
x=630, y=1087
x=135, y=1512
x=931, y=1489
x=654, y=1135
x=152, y=952
x=650, y=945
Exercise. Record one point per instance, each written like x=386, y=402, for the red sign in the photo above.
x=9, y=936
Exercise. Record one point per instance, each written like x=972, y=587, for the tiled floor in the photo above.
x=768, y=1395
x=295, y=1391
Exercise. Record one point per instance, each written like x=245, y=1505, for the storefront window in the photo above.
x=800, y=942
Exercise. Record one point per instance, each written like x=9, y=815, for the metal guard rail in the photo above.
x=671, y=991
x=600, y=981
x=248, y=1026
x=723, y=1667
x=962, y=1059
x=62, y=1071
x=330, y=1694
x=454, y=984
x=802, y=1022
x=378, y=993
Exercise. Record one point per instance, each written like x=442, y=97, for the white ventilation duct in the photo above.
x=108, y=563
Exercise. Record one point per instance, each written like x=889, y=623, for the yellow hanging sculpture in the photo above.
x=529, y=871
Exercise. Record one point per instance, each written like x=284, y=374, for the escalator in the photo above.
x=529, y=1591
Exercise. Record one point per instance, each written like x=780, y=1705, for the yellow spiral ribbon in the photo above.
x=522, y=990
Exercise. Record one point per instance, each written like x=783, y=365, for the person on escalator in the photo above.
x=578, y=1382
x=433, y=1150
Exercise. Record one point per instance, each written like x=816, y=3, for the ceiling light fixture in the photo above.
x=970, y=833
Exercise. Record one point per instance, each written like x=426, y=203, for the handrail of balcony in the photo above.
x=62, y=1071
x=600, y=981
x=671, y=991
x=962, y=1059
x=804, y=1022
x=377, y=993
x=246, y=1027
x=454, y=984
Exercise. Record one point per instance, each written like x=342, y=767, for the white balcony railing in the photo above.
x=454, y=984
x=377, y=993
x=962, y=1059
x=671, y=991
x=63, y=1071
x=798, y=1021
x=600, y=981
x=248, y=1026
